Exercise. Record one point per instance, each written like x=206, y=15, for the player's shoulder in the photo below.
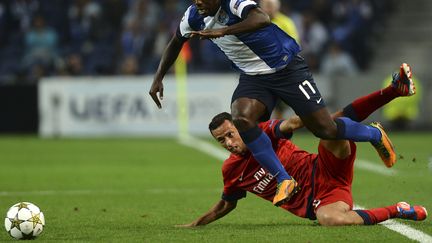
x=231, y=162
x=193, y=18
x=235, y=6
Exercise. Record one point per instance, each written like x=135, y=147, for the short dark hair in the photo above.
x=219, y=119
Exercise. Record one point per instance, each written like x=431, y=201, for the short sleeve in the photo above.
x=234, y=196
x=231, y=174
x=241, y=8
x=231, y=192
x=184, y=29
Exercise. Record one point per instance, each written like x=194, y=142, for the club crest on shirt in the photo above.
x=223, y=17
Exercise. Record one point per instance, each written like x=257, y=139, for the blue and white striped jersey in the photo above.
x=263, y=51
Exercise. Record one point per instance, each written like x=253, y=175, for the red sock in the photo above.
x=377, y=215
x=362, y=107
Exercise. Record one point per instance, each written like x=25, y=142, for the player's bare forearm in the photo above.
x=256, y=19
x=291, y=124
x=221, y=209
x=168, y=58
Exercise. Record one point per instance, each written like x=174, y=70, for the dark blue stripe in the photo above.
x=272, y=45
x=195, y=20
x=309, y=208
x=234, y=197
x=367, y=220
x=349, y=112
x=280, y=134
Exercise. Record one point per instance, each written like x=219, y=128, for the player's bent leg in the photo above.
x=341, y=149
x=320, y=124
x=337, y=214
x=400, y=210
x=246, y=112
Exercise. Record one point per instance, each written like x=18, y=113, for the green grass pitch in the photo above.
x=136, y=190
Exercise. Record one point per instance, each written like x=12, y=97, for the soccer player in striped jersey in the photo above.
x=325, y=178
x=270, y=69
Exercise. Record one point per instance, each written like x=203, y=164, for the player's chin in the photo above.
x=233, y=151
x=237, y=151
x=203, y=13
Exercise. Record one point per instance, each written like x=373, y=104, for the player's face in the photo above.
x=228, y=136
x=207, y=7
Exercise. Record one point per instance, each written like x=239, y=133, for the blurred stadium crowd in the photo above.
x=126, y=37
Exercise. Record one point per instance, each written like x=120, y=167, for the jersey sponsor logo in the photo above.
x=237, y=4
x=260, y=173
x=263, y=179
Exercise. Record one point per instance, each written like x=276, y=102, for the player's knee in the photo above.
x=333, y=220
x=325, y=131
x=243, y=123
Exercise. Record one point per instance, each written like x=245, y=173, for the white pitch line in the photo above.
x=46, y=192
x=205, y=147
x=372, y=167
x=400, y=228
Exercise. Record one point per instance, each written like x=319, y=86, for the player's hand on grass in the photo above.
x=209, y=34
x=157, y=87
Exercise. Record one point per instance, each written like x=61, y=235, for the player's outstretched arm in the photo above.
x=169, y=56
x=256, y=19
x=219, y=210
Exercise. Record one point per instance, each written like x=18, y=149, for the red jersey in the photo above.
x=323, y=178
x=243, y=173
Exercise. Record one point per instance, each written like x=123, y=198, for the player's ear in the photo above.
x=211, y=132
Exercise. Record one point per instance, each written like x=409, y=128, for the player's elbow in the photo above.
x=231, y=205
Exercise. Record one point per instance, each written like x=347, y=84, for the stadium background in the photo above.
x=93, y=52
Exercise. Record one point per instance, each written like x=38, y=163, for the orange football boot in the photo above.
x=285, y=190
x=384, y=147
